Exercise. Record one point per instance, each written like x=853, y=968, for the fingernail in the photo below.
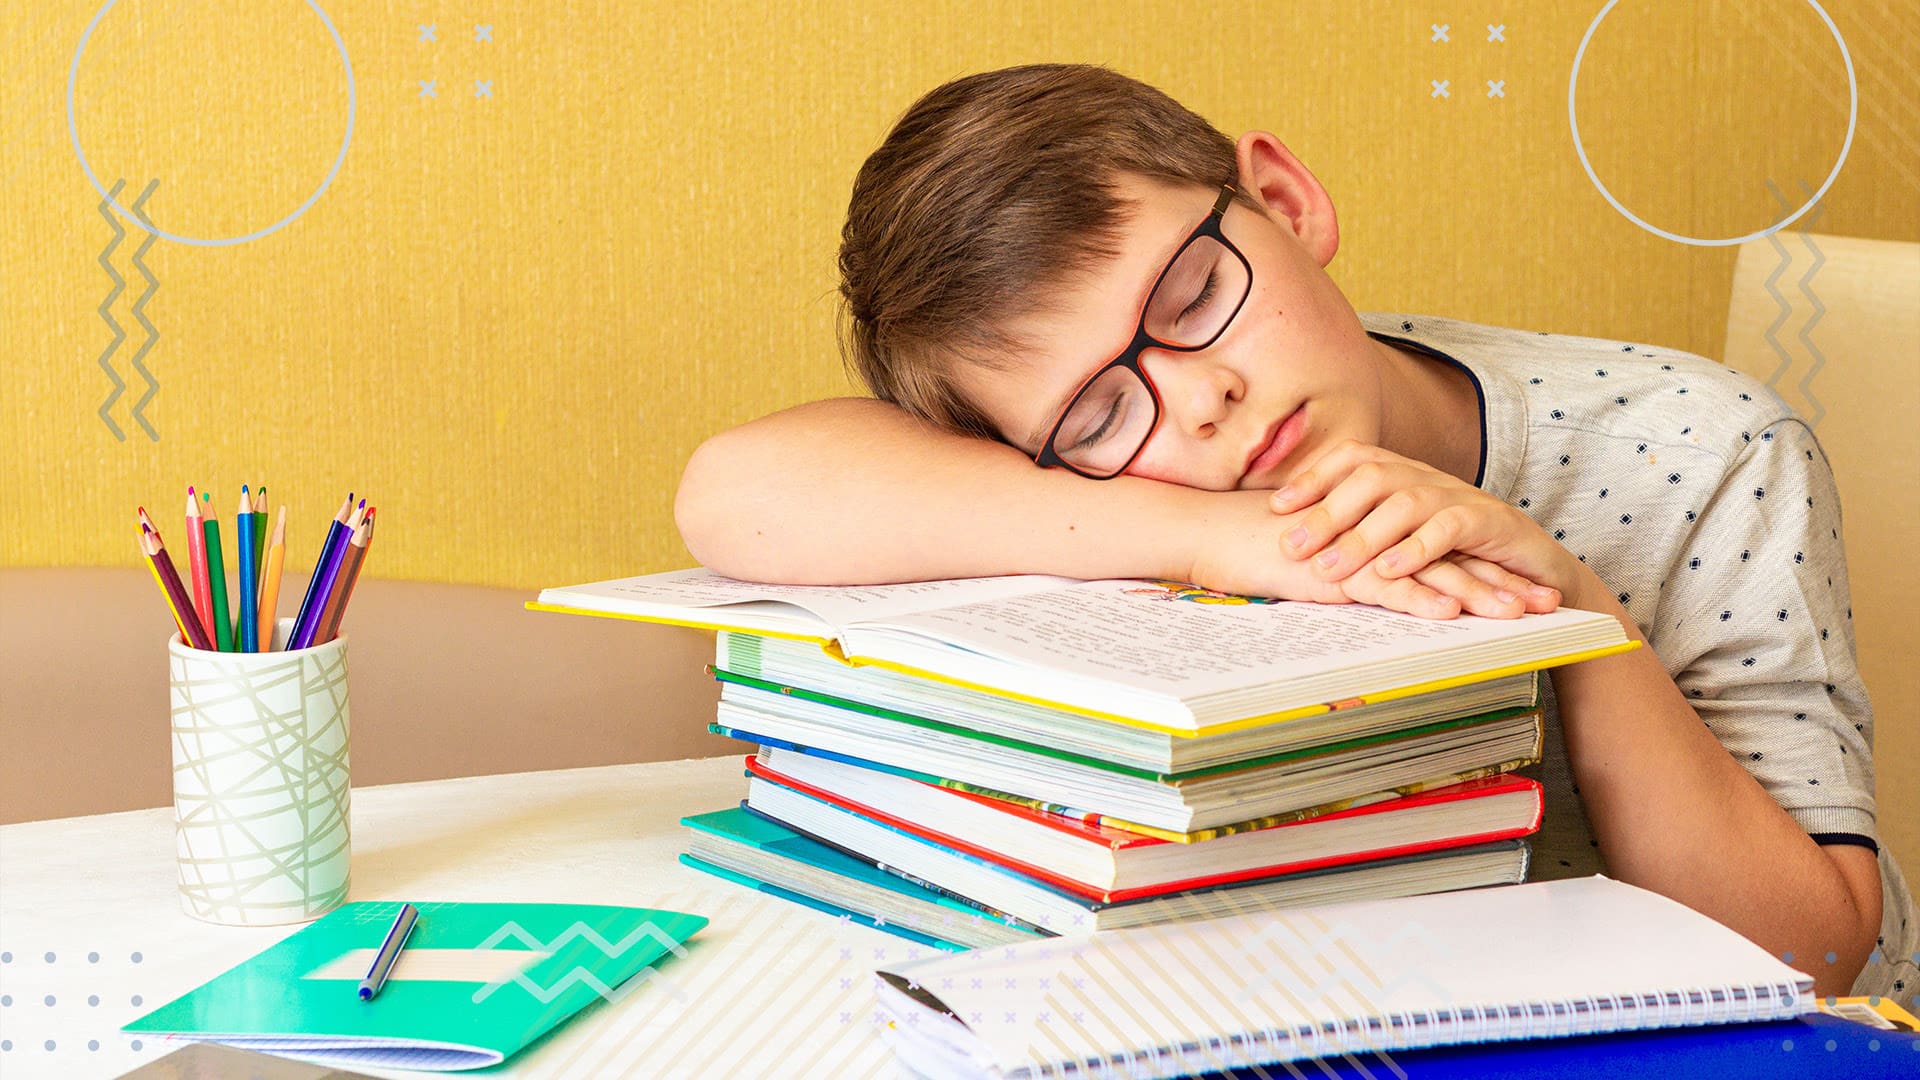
x=1283, y=494
x=1297, y=536
x=1390, y=560
x=1327, y=557
x=1541, y=591
x=1505, y=596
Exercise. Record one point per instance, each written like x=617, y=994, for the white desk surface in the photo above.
x=768, y=988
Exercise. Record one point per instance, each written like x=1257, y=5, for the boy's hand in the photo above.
x=1239, y=550
x=1361, y=510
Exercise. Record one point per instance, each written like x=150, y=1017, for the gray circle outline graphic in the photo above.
x=1853, y=115
x=73, y=130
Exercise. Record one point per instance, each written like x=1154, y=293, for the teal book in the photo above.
x=475, y=983
x=817, y=904
x=750, y=849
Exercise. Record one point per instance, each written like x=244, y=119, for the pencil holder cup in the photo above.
x=260, y=781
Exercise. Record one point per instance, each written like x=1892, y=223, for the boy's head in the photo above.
x=1001, y=244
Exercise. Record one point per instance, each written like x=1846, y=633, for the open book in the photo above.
x=1158, y=654
x=1531, y=961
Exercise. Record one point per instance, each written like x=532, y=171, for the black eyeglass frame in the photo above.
x=1129, y=357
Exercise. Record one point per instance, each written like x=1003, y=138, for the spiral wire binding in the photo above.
x=1593, y=1014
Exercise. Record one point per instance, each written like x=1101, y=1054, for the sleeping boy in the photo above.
x=1102, y=342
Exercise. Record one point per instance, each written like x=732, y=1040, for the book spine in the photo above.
x=1253, y=825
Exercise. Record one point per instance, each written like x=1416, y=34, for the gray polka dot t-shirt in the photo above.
x=1708, y=506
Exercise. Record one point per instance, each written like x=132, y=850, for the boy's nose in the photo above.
x=1197, y=392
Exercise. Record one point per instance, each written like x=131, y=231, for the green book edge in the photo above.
x=882, y=713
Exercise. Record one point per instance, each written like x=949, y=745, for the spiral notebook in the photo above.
x=1541, y=960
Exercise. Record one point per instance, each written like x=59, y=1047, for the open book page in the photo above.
x=1572, y=941
x=697, y=593
x=1183, y=642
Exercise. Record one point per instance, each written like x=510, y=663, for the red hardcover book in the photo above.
x=1112, y=865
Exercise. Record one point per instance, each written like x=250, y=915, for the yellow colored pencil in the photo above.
x=270, y=580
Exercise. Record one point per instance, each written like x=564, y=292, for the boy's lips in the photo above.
x=1280, y=441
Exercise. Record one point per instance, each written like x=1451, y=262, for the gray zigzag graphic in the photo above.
x=119, y=335
x=1772, y=285
x=1786, y=308
x=1819, y=310
x=153, y=335
x=648, y=930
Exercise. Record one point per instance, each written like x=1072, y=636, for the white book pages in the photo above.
x=1146, y=637
x=815, y=609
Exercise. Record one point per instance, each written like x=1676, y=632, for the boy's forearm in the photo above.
x=1673, y=812
x=853, y=490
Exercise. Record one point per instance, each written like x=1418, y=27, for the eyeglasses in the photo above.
x=1110, y=418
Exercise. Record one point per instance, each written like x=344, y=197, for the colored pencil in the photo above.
x=270, y=582
x=315, y=600
x=357, y=546
x=216, y=575
x=260, y=539
x=168, y=579
x=197, y=562
x=246, y=575
x=330, y=580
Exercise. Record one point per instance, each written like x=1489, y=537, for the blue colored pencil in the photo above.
x=303, y=628
x=247, y=552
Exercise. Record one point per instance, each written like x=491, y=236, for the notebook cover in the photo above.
x=1522, y=962
x=273, y=1001
x=1110, y=896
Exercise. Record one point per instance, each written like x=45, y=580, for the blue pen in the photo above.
x=389, y=953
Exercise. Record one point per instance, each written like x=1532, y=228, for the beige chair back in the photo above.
x=1833, y=324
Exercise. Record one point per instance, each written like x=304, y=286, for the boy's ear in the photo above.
x=1271, y=174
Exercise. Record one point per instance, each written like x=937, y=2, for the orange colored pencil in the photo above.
x=164, y=575
x=336, y=608
x=270, y=580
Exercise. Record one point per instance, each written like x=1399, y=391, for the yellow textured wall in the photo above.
x=509, y=318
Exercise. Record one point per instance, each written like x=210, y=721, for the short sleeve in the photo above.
x=1755, y=625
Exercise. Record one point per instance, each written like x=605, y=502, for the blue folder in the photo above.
x=1810, y=1047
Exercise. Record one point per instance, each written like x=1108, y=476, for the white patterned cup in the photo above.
x=260, y=781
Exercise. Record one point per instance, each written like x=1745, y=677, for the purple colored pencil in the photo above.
x=326, y=569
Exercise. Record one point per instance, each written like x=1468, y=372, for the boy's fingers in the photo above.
x=1370, y=508
x=1402, y=594
x=1538, y=598
x=1475, y=595
x=1323, y=473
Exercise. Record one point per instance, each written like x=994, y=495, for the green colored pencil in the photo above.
x=217, y=578
x=260, y=536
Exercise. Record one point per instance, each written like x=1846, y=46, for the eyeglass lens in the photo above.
x=1111, y=418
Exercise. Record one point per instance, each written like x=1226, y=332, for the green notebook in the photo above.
x=475, y=984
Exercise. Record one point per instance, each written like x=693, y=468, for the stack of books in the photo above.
x=990, y=760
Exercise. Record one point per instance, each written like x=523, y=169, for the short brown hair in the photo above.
x=989, y=192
